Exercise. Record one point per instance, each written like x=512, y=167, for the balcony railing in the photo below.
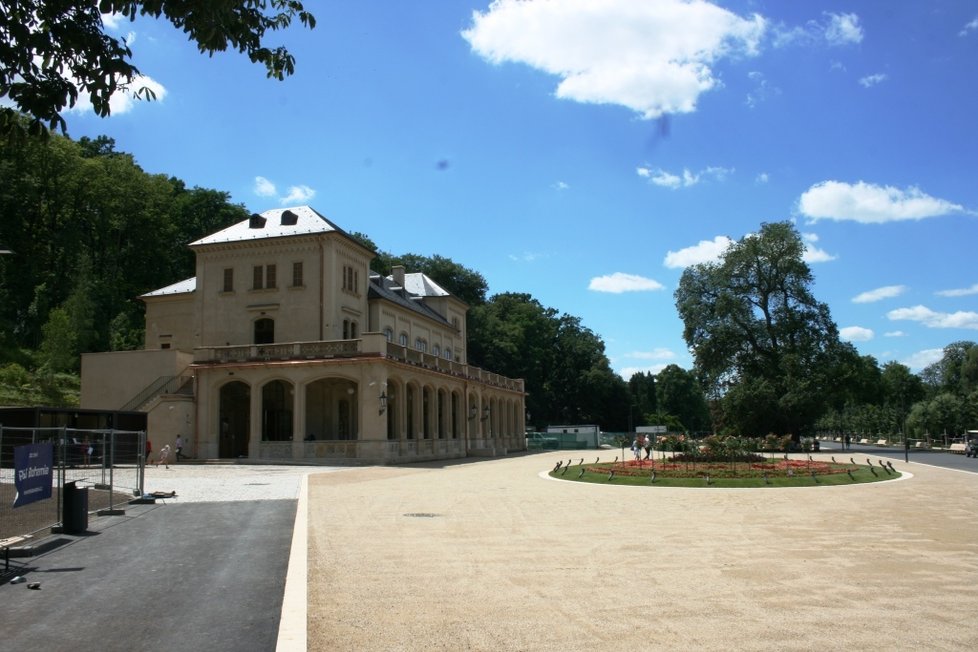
x=371, y=344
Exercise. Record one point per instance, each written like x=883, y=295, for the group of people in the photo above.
x=639, y=445
x=164, y=454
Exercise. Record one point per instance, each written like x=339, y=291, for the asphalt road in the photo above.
x=942, y=459
x=191, y=576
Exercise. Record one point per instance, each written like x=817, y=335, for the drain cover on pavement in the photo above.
x=421, y=515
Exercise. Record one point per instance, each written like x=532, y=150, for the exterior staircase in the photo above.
x=183, y=385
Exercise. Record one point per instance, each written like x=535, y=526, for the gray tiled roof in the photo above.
x=384, y=288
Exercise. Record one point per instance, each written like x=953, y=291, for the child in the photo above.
x=164, y=453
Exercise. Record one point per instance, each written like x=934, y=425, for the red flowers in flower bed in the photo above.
x=720, y=469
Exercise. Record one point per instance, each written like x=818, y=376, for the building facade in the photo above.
x=285, y=346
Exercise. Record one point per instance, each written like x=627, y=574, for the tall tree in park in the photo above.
x=679, y=394
x=56, y=51
x=644, y=407
x=765, y=347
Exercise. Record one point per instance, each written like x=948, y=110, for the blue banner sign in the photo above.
x=32, y=473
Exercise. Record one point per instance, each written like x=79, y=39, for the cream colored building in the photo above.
x=285, y=346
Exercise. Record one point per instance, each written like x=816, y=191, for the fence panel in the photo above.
x=110, y=464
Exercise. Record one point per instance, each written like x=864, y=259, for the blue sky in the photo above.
x=586, y=151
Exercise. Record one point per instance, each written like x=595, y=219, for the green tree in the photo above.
x=758, y=333
x=55, y=51
x=58, y=348
x=641, y=386
x=679, y=393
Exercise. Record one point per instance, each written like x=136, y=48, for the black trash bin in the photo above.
x=74, y=509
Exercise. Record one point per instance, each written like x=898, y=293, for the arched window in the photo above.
x=403, y=339
x=421, y=344
x=448, y=353
x=389, y=334
x=436, y=350
x=264, y=331
x=353, y=330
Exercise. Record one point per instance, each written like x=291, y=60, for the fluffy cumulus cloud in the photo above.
x=812, y=253
x=856, y=334
x=921, y=359
x=264, y=188
x=870, y=204
x=686, y=179
x=705, y=251
x=660, y=353
x=125, y=99
x=934, y=319
x=959, y=292
x=620, y=282
x=297, y=195
x=887, y=292
x=843, y=29
x=894, y=334
x=654, y=58
x=300, y=194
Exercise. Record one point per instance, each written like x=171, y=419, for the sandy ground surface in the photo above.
x=488, y=555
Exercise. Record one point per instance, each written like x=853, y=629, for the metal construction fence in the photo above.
x=108, y=465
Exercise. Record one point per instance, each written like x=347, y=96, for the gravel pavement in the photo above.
x=492, y=555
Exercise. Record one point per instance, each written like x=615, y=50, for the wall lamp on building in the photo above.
x=383, y=402
x=485, y=413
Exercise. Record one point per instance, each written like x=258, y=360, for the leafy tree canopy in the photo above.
x=761, y=341
x=55, y=51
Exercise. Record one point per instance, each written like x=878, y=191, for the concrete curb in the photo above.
x=292, y=623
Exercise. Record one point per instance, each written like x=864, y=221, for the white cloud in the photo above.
x=113, y=21
x=527, y=256
x=934, y=319
x=706, y=251
x=872, y=80
x=886, y=292
x=763, y=177
x=560, y=185
x=921, y=359
x=968, y=28
x=836, y=30
x=660, y=353
x=813, y=254
x=297, y=195
x=762, y=91
x=264, y=188
x=870, y=204
x=628, y=372
x=651, y=57
x=124, y=99
x=856, y=334
x=894, y=334
x=665, y=179
x=961, y=292
x=843, y=29
x=619, y=282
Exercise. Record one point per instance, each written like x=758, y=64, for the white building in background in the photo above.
x=286, y=347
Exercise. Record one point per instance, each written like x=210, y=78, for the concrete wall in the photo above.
x=110, y=380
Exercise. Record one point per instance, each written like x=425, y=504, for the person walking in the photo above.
x=164, y=454
x=179, y=447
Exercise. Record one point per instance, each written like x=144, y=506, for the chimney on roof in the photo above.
x=397, y=273
x=289, y=218
x=256, y=221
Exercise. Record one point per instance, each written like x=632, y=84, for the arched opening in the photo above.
x=234, y=419
x=331, y=409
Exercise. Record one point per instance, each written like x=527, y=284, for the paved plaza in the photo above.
x=489, y=555
x=492, y=555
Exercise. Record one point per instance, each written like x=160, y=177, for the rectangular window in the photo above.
x=257, y=282
x=351, y=279
x=270, y=276
x=297, y=275
x=228, y=279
